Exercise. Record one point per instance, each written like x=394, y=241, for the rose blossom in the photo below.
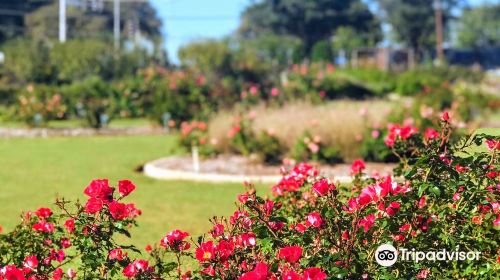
x=290, y=254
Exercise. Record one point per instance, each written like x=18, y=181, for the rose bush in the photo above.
x=443, y=195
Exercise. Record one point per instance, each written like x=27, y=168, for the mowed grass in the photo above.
x=34, y=171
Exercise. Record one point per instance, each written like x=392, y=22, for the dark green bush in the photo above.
x=93, y=100
x=269, y=148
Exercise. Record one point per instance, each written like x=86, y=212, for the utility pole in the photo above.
x=62, y=21
x=439, y=30
x=116, y=24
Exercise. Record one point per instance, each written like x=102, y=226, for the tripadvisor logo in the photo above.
x=387, y=255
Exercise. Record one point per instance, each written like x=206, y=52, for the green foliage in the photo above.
x=478, y=26
x=413, y=21
x=309, y=148
x=373, y=148
x=182, y=94
x=378, y=81
x=38, y=104
x=92, y=99
x=346, y=38
x=55, y=63
x=210, y=56
x=322, y=51
x=82, y=22
x=415, y=81
x=28, y=61
x=311, y=21
x=270, y=148
x=79, y=59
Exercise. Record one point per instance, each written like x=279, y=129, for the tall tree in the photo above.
x=311, y=21
x=480, y=27
x=12, y=14
x=413, y=21
x=84, y=22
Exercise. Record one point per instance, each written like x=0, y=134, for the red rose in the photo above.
x=125, y=187
x=314, y=273
x=322, y=187
x=357, y=166
x=246, y=239
x=44, y=226
x=116, y=254
x=367, y=222
x=130, y=271
x=217, y=230
x=224, y=249
x=393, y=208
x=99, y=189
x=43, y=213
x=57, y=274
x=205, y=252
x=268, y=207
x=405, y=227
x=93, y=205
x=314, y=220
x=65, y=243
x=243, y=198
x=300, y=228
x=290, y=254
x=119, y=211
x=399, y=238
x=430, y=134
x=290, y=275
x=70, y=225
x=421, y=202
x=260, y=272
x=175, y=240
x=445, y=116
x=31, y=262
x=11, y=272
x=134, y=268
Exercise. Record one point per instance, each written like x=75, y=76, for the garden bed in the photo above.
x=239, y=169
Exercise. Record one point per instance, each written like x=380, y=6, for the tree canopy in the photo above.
x=310, y=21
x=39, y=19
x=480, y=27
x=413, y=21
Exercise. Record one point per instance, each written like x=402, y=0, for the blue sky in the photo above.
x=187, y=20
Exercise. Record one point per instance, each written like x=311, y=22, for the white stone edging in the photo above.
x=153, y=171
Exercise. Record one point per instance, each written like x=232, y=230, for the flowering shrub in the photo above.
x=310, y=148
x=45, y=241
x=185, y=95
x=264, y=145
x=39, y=104
x=194, y=133
x=443, y=195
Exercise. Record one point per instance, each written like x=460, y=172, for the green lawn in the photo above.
x=34, y=171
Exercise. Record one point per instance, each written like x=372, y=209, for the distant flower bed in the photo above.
x=443, y=195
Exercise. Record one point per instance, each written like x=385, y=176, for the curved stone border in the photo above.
x=73, y=132
x=152, y=170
